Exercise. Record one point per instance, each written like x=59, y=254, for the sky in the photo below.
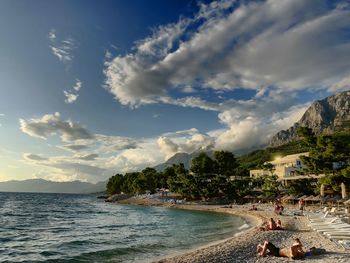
x=93, y=88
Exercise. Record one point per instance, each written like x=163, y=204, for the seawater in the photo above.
x=81, y=228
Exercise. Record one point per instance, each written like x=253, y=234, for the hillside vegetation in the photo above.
x=256, y=158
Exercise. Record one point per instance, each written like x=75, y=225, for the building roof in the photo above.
x=288, y=158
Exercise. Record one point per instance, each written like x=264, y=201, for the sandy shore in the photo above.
x=242, y=248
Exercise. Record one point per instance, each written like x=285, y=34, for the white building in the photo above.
x=288, y=165
x=259, y=173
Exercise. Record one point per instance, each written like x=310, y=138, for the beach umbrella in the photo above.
x=322, y=190
x=317, y=198
x=292, y=197
x=302, y=197
x=309, y=198
x=343, y=191
x=283, y=198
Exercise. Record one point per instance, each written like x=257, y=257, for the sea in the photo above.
x=40, y=227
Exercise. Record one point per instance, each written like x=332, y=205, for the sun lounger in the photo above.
x=325, y=221
x=340, y=237
x=331, y=227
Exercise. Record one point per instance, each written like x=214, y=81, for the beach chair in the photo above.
x=318, y=214
x=332, y=227
x=325, y=223
x=320, y=217
x=344, y=243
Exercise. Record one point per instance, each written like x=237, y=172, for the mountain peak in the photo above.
x=329, y=115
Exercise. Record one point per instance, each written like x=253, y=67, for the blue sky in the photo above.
x=92, y=88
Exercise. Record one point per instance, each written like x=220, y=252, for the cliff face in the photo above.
x=324, y=116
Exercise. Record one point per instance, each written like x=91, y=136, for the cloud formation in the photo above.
x=187, y=141
x=33, y=157
x=87, y=157
x=62, y=49
x=67, y=169
x=284, y=45
x=72, y=95
x=51, y=124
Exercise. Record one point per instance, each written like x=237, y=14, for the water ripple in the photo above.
x=81, y=228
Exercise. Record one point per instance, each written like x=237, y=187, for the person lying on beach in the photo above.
x=253, y=208
x=293, y=252
x=272, y=225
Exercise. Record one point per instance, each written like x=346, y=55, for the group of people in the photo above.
x=272, y=225
x=296, y=250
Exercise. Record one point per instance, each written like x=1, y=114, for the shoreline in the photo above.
x=242, y=247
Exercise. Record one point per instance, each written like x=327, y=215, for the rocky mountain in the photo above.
x=44, y=186
x=329, y=115
x=178, y=158
x=185, y=158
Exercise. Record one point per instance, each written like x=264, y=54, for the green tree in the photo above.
x=146, y=180
x=128, y=183
x=204, y=178
x=226, y=163
x=270, y=186
x=238, y=188
x=300, y=187
x=203, y=164
x=114, y=184
x=335, y=180
x=308, y=136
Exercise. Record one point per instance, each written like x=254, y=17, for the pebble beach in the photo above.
x=242, y=247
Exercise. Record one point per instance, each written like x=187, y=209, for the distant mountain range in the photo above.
x=329, y=115
x=44, y=186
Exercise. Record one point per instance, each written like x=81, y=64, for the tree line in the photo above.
x=227, y=177
x=207, y=177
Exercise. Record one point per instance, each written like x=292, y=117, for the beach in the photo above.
x=242, y=247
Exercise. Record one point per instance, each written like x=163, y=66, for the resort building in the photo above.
x=259, y=173
x=289, y=165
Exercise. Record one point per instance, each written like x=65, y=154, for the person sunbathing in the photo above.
x=293, y=252
x=272, y=225
x=253, y=208
x=279, y=225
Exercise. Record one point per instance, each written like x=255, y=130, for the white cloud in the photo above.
x=108, y=144
x=51, y=124
x=342, y=85
x=66, y=168
x=135, y=159
x=72, y=95
x=187, y=141
x=74, y=147
x=77, y=85
x=167, y=146
x=62, y=49
x=253, y=131
x=33, y=157
x=87, y=157
x=281, y=46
